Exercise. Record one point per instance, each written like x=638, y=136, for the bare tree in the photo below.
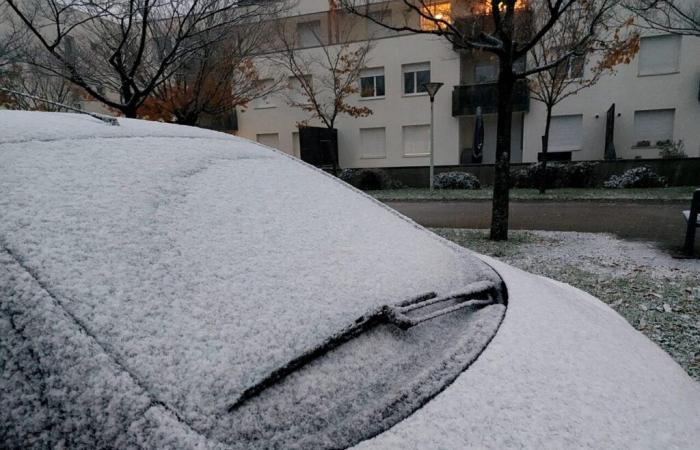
x=671, y=16
x=213, y=82
x=336, y=64
x=550, y=87
x=504, y=28
x=46, y=92
x=120, y=51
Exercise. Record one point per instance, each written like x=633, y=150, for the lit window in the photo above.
x=414, y=77
x=440, y=12
x=372, y=83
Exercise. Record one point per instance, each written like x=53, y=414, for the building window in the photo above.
x=373, y=142
x=416, y=140
x=485, y=72
x=296, y=92
x=659, y=54
x=653, y=127
x=566, y=133
x=267, y=100
x=374, y=30
x=414, y=77
x=440, y=12
x=269, y=139
x=372, y=83
x=575, y=66
x=309, y=33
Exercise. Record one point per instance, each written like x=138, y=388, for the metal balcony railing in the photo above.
x=466, y=98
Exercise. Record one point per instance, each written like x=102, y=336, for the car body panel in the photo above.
x=563, y=371
x=197, y=262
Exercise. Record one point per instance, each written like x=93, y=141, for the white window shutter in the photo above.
x=659, y=54
x=373, y=142
x=653, y=125
x=416, y=140
x=566, y=133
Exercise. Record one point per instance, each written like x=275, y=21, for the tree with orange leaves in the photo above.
x=213, y=82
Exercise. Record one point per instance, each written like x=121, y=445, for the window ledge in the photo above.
x=419, y=94
x=365, y=99
x=372, y=156
x=672, y=72
x=415, y=155
x=265, y=107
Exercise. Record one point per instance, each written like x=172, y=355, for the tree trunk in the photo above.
x=501, y=185
x=545, y=148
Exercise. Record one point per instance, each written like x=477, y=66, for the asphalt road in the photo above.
x=659, y=222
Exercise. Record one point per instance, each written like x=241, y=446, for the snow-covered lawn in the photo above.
x=657, y=294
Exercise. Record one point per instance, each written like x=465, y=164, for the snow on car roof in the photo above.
x=201, y=261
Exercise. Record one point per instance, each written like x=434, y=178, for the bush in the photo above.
x=559, y=175
x=638, y=177
x=369, y=179
x=671, y=149
x=456, y=180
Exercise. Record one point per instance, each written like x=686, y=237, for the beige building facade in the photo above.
x=656, y=99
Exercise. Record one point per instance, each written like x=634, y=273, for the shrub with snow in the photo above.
x=369, y=179
x=456, y=180
x=638, y=177
x=559, y=175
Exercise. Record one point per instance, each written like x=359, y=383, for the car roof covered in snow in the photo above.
x=199, y=261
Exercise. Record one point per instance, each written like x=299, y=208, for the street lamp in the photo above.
x=432, y=89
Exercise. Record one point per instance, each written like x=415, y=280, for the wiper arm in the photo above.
x=402, y=315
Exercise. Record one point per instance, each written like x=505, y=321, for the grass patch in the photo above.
x=662, y=304
x=679, y=193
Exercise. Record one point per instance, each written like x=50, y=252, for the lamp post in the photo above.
x=432, y=89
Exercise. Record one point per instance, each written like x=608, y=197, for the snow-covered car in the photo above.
x=165, y=286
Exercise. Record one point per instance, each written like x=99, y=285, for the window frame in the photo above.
x=652, y=143
x=374, y=76
x=414, y=69
x=669, y=71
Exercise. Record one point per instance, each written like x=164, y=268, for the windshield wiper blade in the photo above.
x=403, y=315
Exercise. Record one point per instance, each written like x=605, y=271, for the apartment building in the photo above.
x=653, y=99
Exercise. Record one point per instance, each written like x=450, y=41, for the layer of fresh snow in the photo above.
x=185, y=263
x=563, y=371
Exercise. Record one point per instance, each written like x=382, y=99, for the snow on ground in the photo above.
x=196, y=260
x=563, y=371
x=657, y=293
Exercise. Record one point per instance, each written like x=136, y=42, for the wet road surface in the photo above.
x=658, y=222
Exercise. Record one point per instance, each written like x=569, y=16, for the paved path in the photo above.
x=660, y=222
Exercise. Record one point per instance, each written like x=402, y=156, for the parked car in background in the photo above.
x=165, y=286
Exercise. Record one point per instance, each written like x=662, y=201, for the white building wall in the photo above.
x=630, y=92
x=392, y=112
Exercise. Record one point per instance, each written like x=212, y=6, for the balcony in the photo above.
x=471, y=24
x=466, y=98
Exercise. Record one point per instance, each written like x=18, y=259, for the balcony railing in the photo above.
x=466, y=98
